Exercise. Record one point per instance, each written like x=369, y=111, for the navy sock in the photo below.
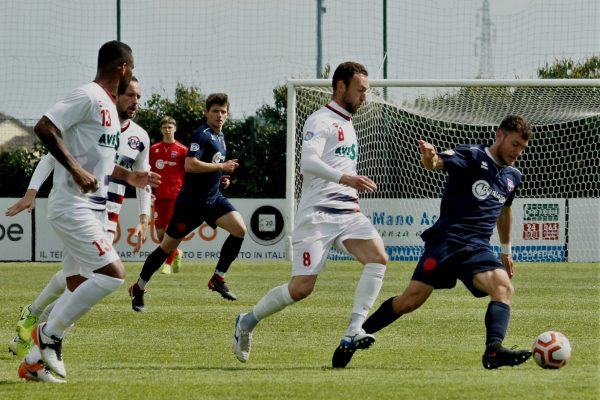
x=496, y=322
x=229, y=252
x=153, y=263
x=381, y=318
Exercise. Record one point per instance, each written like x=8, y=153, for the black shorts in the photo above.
x=188, y=215
x=444, y=262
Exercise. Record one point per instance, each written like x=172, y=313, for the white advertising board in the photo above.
x=539, y=231
x=584, y=230
x=263, y=218
x=16, y=234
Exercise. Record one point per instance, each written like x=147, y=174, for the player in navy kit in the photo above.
x=200, y=200
x=479, y=193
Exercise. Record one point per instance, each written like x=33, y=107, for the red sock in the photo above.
x=171, y=257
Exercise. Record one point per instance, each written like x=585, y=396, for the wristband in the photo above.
x=505, y=248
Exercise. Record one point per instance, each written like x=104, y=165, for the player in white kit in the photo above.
x=133, y=154
x=82, y=133
x=328, y=215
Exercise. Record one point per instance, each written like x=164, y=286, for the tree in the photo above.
x=258, y=142
x=187, y=108
x=16, y=168
x=569, y=69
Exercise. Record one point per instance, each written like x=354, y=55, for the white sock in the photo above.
x=33, y=356
x=220, y=273
x=366, y=293
x=47, y=311
x=88, y=294
x=52, y=291
x=274, y=301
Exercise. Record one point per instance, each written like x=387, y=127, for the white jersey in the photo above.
x=89, y=124
x=133, y=154
x=329, y=150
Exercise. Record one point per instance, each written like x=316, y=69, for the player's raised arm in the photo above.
x=429, y=157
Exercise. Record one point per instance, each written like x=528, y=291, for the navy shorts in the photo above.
x=189, y=215
x=444, y=262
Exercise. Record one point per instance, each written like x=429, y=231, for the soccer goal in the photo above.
x=556, y=216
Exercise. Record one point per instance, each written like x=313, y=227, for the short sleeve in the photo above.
x=455, y=160
x=197, y=145
x=74, y=108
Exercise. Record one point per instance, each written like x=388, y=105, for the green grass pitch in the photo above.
x=181, y=347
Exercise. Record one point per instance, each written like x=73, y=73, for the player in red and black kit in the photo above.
x=168, y=159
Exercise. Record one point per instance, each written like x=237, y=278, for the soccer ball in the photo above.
x=551, y=350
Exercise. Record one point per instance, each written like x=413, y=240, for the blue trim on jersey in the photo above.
x=117, y=181
x=342, y=197
x=97, y=200
x=331, y=210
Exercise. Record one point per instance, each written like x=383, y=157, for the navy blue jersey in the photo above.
x=476, y=190
x=207, y=146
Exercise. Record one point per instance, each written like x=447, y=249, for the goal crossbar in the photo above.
x=586, y=93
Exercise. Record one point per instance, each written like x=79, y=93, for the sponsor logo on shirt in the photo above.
x=482, y=190
x=484, y=165
x=194, y=147
x=510, y=184
x=134, y=142
x=109, y=140
x=218, y=157
x=346, y=151
x=160, y=164
x=308, y=135
x=174, y=154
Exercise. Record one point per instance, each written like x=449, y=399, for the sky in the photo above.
x=247, y=47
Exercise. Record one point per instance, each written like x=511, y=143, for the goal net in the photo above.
x=556, y=216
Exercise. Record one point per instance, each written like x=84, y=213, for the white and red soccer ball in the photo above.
x=551, y=350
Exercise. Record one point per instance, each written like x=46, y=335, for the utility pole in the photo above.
x=320, y=11
x=486, y=65
x=119, y=20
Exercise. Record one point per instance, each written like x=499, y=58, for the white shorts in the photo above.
x=87, y=246
x=315, y=233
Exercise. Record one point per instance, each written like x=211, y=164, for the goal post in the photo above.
x=556, y=216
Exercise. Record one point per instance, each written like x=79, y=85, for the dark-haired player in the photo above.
x=200, y=200
x=479, y=192
x=328, y=215
x=82, y=133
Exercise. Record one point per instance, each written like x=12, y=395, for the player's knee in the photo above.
x=300, y=291
x=239, y=231
x=381, y=258
x=503, y=292
x=378, y=257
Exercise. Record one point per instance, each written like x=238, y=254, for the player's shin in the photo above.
x=496, y=322
x=365, y=295
x=153, y=263
x=80, y=301
x=274, y=301
x=381, y=318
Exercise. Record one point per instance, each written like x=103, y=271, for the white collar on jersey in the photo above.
x=339, y=109
x=489, y=153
